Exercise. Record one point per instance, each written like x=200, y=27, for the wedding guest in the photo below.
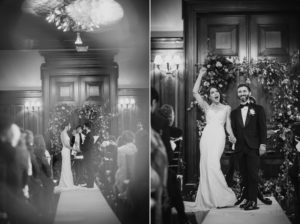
x=14, y=207
x=125, y=160
x=45, y=175
x=174, y=193
x=139, y=183
x=159, y=175
x=34, y=182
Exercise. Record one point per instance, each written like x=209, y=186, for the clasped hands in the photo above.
x=232, y=139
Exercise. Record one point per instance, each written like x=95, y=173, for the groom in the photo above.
x=87, y=150
x=249, y=127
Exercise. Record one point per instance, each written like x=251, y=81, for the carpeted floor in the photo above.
x=84, y=206
x=266, y=214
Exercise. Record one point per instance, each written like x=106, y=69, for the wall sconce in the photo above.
x=127, y=103
x=32, y=105
x=168, y=66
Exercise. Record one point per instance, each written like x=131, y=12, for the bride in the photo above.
x=213, y=191
x=66, y=177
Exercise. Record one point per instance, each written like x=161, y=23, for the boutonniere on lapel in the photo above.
x=252, y=112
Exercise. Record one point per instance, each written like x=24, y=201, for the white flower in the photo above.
x=206, y=83
x=226, y=70
x=219, y=64
x=252, y=112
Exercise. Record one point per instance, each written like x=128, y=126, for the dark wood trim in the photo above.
x=133, y=91
x=167, y=43
x=7, y=96
x=216, y=6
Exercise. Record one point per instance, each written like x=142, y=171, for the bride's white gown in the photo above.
x=213, y=190
x=66, y=176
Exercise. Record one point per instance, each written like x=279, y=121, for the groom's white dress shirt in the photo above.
x=244, y=113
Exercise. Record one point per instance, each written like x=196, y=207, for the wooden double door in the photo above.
x=78, y=78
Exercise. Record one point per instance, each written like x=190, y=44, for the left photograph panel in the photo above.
x=74, y=111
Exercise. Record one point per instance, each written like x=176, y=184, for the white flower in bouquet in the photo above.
x=219, y=64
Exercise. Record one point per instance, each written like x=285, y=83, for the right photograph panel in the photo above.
x=224, y=112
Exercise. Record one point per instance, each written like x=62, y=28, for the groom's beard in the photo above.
x=244, y=99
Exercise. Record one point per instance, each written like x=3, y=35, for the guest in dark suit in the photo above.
x=162, y=126
x=249, y=127
x=87, y=149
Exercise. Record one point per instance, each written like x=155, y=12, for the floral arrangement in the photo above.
x=78, y=15
x=58, y=116
x=97, y=116
x=220, y=73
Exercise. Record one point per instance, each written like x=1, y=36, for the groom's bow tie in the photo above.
x=244, y=105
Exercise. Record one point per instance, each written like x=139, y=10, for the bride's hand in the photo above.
x=232, y=139
x=202, y=71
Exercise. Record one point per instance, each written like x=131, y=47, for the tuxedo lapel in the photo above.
x=248, y=117
x=239, y=117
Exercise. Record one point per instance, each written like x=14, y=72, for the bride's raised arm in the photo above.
x=201, y=102
x=232, y=138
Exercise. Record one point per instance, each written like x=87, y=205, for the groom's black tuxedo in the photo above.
x=254, y=132
x=87, y=150
x=249, y=138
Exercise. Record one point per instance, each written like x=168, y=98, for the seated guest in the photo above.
x=125, y=160
x=45, y=175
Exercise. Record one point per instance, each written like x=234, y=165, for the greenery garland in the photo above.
x=280, y=82
x=58, y=116
x=97, y=115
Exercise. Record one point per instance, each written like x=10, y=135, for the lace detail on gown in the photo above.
x=213, y=190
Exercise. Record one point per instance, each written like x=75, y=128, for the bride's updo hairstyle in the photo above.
x=208, y=93
x=65, y=124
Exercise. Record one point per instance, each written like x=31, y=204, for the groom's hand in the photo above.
x=262, y=149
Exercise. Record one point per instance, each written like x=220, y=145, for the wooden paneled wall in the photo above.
x=130, y=117
x=12, y=107
x=170, y=86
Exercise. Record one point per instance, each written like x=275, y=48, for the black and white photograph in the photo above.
x=74, y=111
x=225, y=112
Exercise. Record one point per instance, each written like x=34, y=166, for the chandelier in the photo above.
x=77, y=15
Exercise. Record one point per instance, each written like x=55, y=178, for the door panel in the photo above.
x=63, y=89
x=221, y=35
x=94, y=89
x=273, y=35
